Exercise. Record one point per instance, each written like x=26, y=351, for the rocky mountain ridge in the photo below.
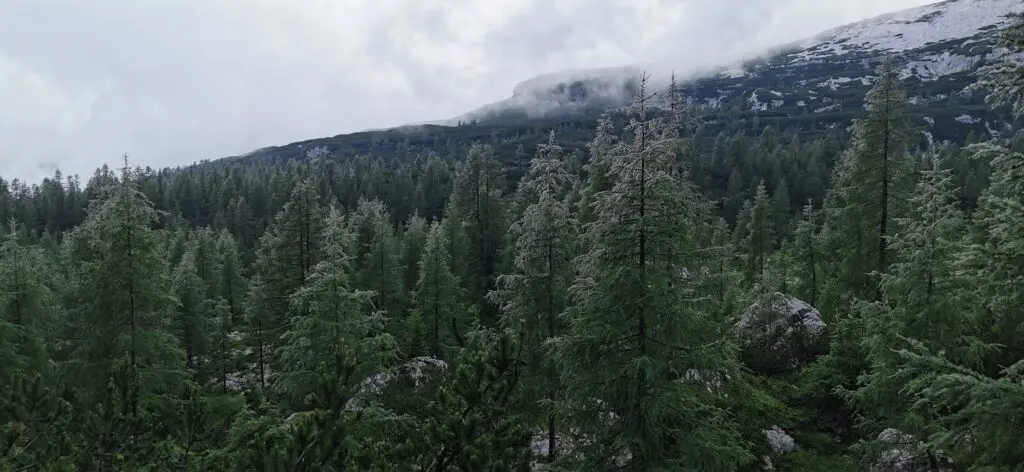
x=939, y=47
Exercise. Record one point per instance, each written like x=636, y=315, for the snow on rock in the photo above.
x=780, y=332
x=913, y=28
x=967, y=119
x=418, y=370
x=934, y=66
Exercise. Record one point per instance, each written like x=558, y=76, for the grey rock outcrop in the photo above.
x=779, y=333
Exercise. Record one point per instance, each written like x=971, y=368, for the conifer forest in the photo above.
x=660, y=298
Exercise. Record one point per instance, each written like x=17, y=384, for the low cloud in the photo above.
x=172, y=82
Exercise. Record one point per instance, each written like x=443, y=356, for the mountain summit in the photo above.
x=938, y=46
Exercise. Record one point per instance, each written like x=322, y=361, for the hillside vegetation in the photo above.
x=656, y=292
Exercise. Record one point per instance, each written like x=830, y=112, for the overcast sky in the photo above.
x=175, y=81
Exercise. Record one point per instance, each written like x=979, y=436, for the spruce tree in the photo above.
x=337, y=339
x=479, y=202
x=868, y=187
x=923, y=300
x=534, y=295
x=759, y=241
x=438, y=312
x=634, y=330
x=123, y=358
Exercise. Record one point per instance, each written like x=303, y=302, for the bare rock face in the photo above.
x=904, y=453
x=779, y=442
x=416, y=372
x=779, y=333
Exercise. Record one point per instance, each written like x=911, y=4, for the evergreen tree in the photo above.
x=868, y=186
x=338, y=339
x=804, y=255
x=634, y=330
x=759, y=241
x=438, y=312
x=922, y=300
x=534, y=295
x=122, y=356
x=479, y=202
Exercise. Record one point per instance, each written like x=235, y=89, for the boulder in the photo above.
x=902, y=452
x=414, y=373
x=779, y=442
x=779, y=333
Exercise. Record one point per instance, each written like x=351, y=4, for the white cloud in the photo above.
x=174, y=81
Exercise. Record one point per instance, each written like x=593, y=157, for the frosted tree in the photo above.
x=633, y=330
x=598, y=167
x=869, y=185
x=438, y=311
x=760, y=240
x=338, y=339
x=534, y=295
x=123, y=357
x=923, y=299
x=1005, y=78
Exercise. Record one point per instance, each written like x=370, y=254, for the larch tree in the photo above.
x=634, y=328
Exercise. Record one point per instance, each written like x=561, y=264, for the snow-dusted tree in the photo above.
x=1005, y=79
x=380, y=250
x=438, y=311
x=868, y=186
x=597, y=167
x=122, y=356
x=923, y=299
x=633, y=330
x=338, y=339
x=533, y=296
x=759, y=243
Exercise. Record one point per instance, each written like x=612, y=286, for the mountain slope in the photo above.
x=939, y=46
x=809, y=86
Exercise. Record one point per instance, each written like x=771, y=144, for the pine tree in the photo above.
x=759, y=241
x=124, y=358
x=414, y=239
x=29, y=405
x=534, y=295
x=438, y=311
x=634, y=330
x=479, y=202
x=380, y=267
x=868, y=186
x=193, y=317
x=1003, y=78
x=338, y=339
x=805, y=255
x=922, y=300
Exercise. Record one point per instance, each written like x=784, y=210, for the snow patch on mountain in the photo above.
x=915, y=27
x=934, y=66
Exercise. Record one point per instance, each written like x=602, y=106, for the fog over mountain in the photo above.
x=176, y=81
